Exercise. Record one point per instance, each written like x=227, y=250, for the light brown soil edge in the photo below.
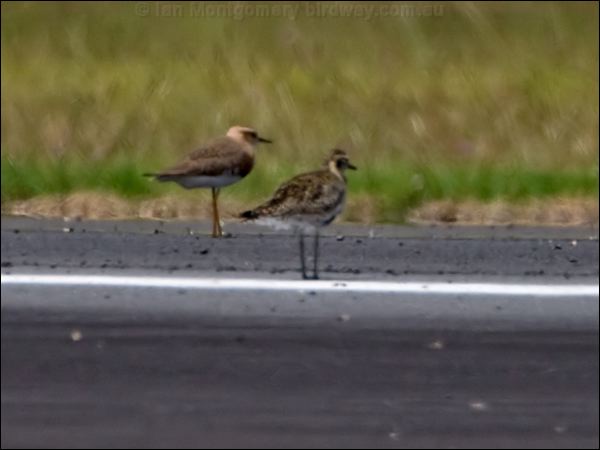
x=93, y=205
x=554, y=212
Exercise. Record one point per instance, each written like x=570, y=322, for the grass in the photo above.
x=395, y=189
x=483, y=102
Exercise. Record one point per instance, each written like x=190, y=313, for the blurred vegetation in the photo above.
x=486, y=101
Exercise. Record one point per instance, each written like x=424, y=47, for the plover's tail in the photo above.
x=249, y=215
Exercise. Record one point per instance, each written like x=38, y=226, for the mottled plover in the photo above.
x=220, y=162
x=306, y=203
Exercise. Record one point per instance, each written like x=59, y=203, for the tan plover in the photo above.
x=222, y=161
x=306, y=203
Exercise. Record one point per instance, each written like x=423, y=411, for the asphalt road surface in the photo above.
x=135, y=334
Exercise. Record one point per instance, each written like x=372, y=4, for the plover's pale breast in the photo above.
x=200, y=181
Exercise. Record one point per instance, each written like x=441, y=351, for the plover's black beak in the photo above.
x=266, y=141
x=352, y=166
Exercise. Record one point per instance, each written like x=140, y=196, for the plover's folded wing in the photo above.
x=222, y=156
x=313, y=193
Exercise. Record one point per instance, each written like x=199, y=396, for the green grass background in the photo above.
x=485, y=101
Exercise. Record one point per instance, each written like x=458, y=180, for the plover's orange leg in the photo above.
x=219, y=229
x=216, y=227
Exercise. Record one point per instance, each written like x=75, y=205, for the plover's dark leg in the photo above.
x=316, y=255
x=302, y=260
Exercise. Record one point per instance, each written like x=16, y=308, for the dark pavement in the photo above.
x=120, y=367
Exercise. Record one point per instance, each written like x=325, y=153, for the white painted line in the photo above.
x=257, y=284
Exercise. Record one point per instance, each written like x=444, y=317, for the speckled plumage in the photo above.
x=307, y=202
x=313, y=198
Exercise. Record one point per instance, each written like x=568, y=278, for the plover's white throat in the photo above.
x=306, y=203
x=220, y=162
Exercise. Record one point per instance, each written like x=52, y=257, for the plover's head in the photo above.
x=338, y=161
x=246, y=135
